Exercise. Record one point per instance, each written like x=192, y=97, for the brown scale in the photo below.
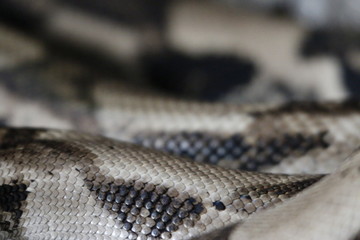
x=161, y=213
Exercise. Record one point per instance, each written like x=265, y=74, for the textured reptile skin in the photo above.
x=68, y=185
x=326, y=210
x=290, y=138
x=72, y=185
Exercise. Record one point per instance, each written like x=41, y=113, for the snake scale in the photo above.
x=202, y=171
x=58, y=184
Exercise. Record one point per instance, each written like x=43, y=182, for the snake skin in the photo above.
x=60, y=184
x=326, y=210
x=291, y=138
x=67, y=185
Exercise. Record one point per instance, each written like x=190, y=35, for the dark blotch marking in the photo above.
x=207, y=77
x=12, y=196
x=356, y=236
x=15, y=137
x=127, y=203
x=207, y=148
x=326, y=42
x=247, y=197
x=219, y=205
x=11, y=200
x=3, y=122
x=19, y=136
x=60, y=146
x=345, y=107
x=351, y=75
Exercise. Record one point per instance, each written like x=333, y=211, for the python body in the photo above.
x=66, y=185
x=70, y=185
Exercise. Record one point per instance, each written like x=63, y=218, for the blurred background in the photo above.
x=236, y=51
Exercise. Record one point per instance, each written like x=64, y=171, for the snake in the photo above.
x=103, y=160
x=64, y=184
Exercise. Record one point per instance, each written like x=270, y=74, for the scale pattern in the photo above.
x=85, y=187
x=65, y=185
x=11, y=198
x=243, y=155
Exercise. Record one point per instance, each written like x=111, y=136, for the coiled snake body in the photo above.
x=58, y=184
x=69, y=185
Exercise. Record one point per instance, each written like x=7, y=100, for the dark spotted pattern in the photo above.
x=208, y=148
x=146, y=210
x=11, y=200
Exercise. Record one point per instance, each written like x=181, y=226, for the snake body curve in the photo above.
x=70, y=185
x=67, y=185
x=58, y=184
